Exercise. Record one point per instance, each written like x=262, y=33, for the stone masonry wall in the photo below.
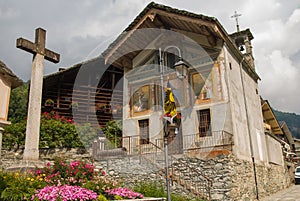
x=232, y=179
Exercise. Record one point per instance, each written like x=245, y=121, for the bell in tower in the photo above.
x=242, y=40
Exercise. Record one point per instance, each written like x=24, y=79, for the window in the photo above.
x=144, y=131
x=204, y=122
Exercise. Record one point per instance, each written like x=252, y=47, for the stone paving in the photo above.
x=289, y=194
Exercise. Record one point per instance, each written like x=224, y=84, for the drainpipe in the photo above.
x=248, y=128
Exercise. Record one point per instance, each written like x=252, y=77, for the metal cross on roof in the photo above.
x=236, y=16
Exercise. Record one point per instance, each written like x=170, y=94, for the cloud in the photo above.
x=79, y=30
x=280, y=81
x=277, y=50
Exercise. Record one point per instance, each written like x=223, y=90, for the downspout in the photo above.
x=248, y=128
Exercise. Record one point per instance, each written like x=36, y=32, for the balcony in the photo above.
x=216, y=141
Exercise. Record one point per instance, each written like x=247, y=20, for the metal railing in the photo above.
x=214, y=140
x=134, y=145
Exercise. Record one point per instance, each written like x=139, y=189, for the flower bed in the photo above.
x=77, y=180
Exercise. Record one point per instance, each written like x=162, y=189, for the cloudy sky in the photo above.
x=80, y=29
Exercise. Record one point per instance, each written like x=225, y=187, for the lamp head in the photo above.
x=181, y=68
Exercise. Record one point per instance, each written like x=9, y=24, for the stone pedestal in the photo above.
x=25, y=166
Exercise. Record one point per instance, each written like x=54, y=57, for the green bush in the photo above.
x=18, y=103
x=155, y=189
x=113, y=132
x=101, y=198
x=150, y=189
x=14, y=135
x=55, y=131
x=87, y=134
x=16, y=187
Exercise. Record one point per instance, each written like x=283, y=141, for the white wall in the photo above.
x=242, y=139
x=4, y=98
x=228, y=113
x=274, y=151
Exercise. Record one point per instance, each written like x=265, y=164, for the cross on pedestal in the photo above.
x=31, y=152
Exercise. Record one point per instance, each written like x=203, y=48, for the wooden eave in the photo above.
x=10, y=76
x=270, y=118
x=287, y=132
x=160, y=16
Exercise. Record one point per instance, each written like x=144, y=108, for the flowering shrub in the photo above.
x=73, y=181
x=55, y=131
x=74, y=173
x=77, y=173
x=55, y=116
x=65, y=192
x=100, y=184
x=124, y=193
x=16, y=186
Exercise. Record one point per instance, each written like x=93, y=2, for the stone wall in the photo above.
x=232, y=179
x=11, y=158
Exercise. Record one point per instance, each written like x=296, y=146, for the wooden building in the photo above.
x=86, y=92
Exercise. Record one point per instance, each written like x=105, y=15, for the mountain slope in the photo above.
x=291, y=119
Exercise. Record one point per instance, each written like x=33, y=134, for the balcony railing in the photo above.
x=131, y=145
x=215, y=140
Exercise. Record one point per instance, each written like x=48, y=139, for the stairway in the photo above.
x=184, y=174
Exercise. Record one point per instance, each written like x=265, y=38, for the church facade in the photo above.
x=212, y=77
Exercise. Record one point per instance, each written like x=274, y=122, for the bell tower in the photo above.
x=242, y=40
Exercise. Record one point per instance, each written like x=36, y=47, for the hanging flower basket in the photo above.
x=49, y=103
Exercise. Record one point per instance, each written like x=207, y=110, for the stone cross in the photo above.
x=31, y=152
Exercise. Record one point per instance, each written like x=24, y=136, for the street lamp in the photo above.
x=181, y=72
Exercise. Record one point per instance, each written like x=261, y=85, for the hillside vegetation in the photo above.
x=291, y=119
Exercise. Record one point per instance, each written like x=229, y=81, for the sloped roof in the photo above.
x=287, y=132
x=160, y=16
x=7, y=73
x=270, y=118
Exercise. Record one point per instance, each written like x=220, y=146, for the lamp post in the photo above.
x=181, y=73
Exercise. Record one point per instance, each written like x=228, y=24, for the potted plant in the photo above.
x=49, y=102
x=74, y=105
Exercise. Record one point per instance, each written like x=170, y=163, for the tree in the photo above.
x=18, y=103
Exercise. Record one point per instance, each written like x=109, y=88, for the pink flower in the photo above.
x=65, y=192
x=124, y=193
